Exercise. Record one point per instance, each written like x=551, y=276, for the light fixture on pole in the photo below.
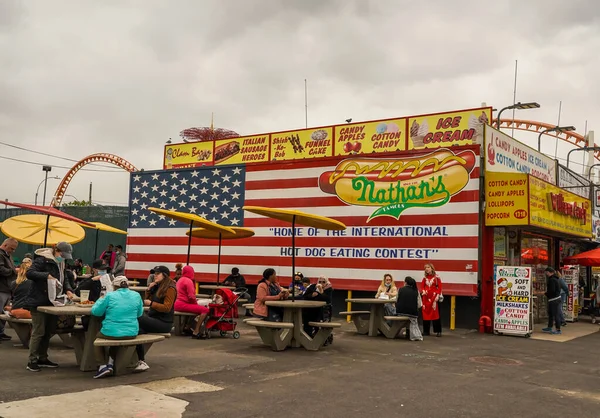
x=580, y=149
x=559, y=129
x=37, y=191
x=46, y=169
x=519, y=106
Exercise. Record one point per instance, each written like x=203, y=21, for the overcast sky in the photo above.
x=83, y=76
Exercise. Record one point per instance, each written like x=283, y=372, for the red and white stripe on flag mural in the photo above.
x=429, y=200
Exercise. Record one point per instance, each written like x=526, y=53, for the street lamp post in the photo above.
x=580, y=149
x=37, y=191
x=520, y=106
x=559, y=129
x=46, y=169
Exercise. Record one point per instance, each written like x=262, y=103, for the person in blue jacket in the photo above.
x=121, y=310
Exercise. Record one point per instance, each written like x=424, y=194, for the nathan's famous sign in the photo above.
x=393, y=185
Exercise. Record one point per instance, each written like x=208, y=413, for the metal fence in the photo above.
x=115, y=216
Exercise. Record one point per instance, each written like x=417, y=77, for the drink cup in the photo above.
x=85, y=295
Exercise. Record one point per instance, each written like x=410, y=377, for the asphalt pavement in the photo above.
x=462, y=374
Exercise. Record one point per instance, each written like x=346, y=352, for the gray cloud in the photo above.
x=79, y=77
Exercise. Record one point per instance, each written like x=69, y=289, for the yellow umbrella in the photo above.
x=297, y=217
x=193, y=221
x=31, y=229
x=99, y=226
x=238, y=233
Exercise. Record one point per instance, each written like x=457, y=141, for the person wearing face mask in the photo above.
x=95, y=283
x=389, y=289
x=120, y=260
x=47, y=268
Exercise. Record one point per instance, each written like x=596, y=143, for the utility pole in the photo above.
x=90, y=193
x=46, y=169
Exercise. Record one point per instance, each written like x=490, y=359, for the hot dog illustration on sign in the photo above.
x=397, y=184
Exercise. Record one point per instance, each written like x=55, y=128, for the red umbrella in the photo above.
x=588, y=258
x=50, y=211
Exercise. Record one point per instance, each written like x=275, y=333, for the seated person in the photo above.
x=160, y=298
x=187, y=302
x=97, y=283
x=235, y=279
x=20, y=290
x=321, y=291
x=268, y=289
x=298, y=284
x=121, y=310
x=408, y=304
x=388, y=290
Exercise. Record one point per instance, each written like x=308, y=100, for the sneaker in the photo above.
x=546, y=329
x=557, y=332
x=103, y=371
x=141, y=367
x=564, y=324
x=4, y=337
x=47, y=363
x=33, y=367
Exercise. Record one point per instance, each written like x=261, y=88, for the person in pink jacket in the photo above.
x=269, y=289
x=186, y=301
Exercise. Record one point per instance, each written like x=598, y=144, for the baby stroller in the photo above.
x=222, y=316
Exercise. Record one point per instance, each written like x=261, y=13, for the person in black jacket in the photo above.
x=554, y=301
x=407, y=304
x=321, y=291
x=8, y=274
x=48, y=267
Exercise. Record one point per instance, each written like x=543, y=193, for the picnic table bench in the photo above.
x=125, y=352
x=22, y=328
x=376, y=321
x=180, y=320
x=277, y=335
x=360, y=319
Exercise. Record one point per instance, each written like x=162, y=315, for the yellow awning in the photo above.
x=192, y=219
x=31, y=229
x=301, y=218
x=103, y=227
x=209, y=234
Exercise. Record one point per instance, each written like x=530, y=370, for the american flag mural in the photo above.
x=402, y=210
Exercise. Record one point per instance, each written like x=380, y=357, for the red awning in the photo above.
x=49, y=210
x=588, y=258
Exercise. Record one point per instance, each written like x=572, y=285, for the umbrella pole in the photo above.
x=190, y=243
x=96, y=246
x=219, y=260
x=46, y=231
x=293, y=257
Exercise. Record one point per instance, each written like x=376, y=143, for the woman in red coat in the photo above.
x=431, y=291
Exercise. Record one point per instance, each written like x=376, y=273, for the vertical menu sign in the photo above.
x=512, y=300
x=570, y=307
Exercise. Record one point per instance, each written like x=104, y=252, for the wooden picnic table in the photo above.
x=377, y=322
x=214, y=287
x=292, y=312
x=83, y=343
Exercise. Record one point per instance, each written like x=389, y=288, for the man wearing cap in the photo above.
x=94, y=283
x=8, y=274
x=554, y=301
x=48, y=268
